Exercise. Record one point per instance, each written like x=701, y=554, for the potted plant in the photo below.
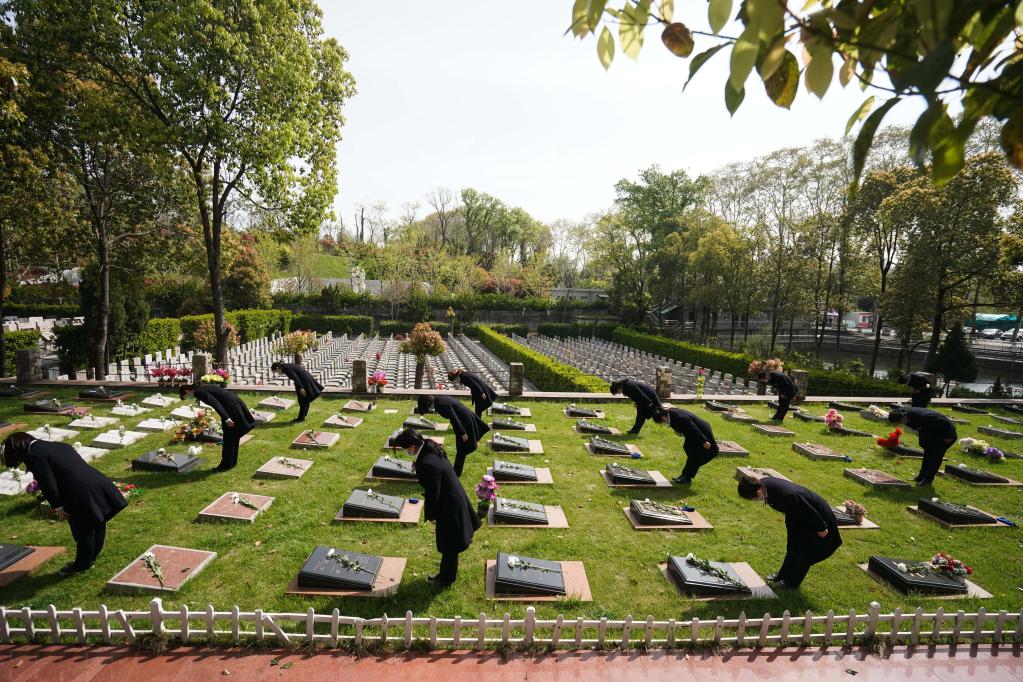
x=376, y=381
x=421, y=342
x=295, y=343
x=758, y=367
x=486, y=492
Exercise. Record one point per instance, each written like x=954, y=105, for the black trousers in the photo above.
x=229, y=451
x=921, y=398
x=89, y=538
x=696, y=457
x=462, y=450
x=303, y=408
x=783, y=407
x=802, y=553
x=934, y=453
x=448, y=567
x=641, y=417
x=481, y=405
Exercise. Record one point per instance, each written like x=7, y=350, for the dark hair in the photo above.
x=15, y=447
x=763, y=375
x=185, y=389
x=424, y=405
x=659, y=414
x=407, y=438
x=454, y=374
x=277, y=366
x=616, y=386
x=748, y=488
x=896, y=415
x=903, y=378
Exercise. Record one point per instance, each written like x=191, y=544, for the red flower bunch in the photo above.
x=892, y=440
x=946, y=563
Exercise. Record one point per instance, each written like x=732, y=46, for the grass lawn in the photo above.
x=256, y=562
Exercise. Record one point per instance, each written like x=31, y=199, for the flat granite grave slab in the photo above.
x=89, y=422
x=875, y=478
x=903, y=451
x=263, y=416
x=12, y=391
x=819, y=452
x=849, y=407
x=439, y=440
x=178, y=565
x=317, y=440
x=231, y=507
x=995, y=523
x=53, y=434
x=805, y=416
x=972, y=589
x=698, y=522
x=115, y=440
x=740, y=417
x=1001, y=433
x=161, y=460
x=388, y=468
x=715, y=406
x=729, y=448
x=601, y=431
x=512, y=425
x=87, y=453
x=660, y=481
x=188, y=412
x=385, y=583
x=1007, y=420
x=773, y=431
x=112, y=396
x=577, y=586
x=588, y=413
x=421, y=424
x=343, y=421
x=978, y=476
x=157, y=424
x=410, y=514
x=358, y=406
x=497, y=411
x=555, y=519
x=28, y=564
x=865, y=524
x=276, y=403
x=633, y=451
x=10, y=428
x=968, y=409
x=543, y=477
x=757, y=473
x=758, y=588
x=283, y=467
x=535, y=448
x=130, y=410
x=14, y=483
x=159, y=400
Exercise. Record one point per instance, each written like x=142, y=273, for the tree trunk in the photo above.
x=298, y=359
x=939, y=314
x=792, y=325
x=3, y=290
x=420, y=370
x=103, y=323
x=877, y=343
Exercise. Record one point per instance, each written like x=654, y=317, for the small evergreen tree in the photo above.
x=954, y=360
x=129, y=311
x=247, y=281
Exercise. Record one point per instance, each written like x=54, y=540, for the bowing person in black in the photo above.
x=809, y=520
x=447, y=505
x=77, y=493
x=467, y=426
x=920, y=386
x=645, y=397
x=235, y=418
x=786, y=388
x=699, y=445
x=307, y=388
x=937, y=433
x=482, y=395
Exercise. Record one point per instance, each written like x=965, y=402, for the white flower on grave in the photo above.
x=513, y=561
x=162, y=451
x=194, y=450
x=902, y=567
x=235, y=497
x=934, y=499
x=77, y=445
x=690, y=556
x=120, y=403
x=331, y=553
x=369, y=491
x=148, y=555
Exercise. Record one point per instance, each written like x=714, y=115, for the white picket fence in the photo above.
x=105, y=625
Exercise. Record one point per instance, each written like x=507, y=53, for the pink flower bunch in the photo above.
x=378, y=378
x=486, y=489
x=33, y=487
x=833, y=419
x=222, y=373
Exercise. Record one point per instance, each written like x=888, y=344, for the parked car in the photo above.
x=971, y=331
x=1007, y=335
x=990, y=333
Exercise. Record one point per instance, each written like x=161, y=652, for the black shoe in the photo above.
x=923, y=483
x=682, y=480
x=436, y=581
x=772, y=578
x=71, y=569
x=785, y=585
x=296, y=419
x=633, y=432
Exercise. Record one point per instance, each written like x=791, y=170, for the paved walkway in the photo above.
x=123, y=664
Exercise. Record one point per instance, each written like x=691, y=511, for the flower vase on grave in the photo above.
x=482, y=509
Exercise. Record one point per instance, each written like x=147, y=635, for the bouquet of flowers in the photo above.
x=129, y=490
x=877, y=412
x=164, y=375
x=33, y=487
x=219, y=377
x=758, y=367
x=855, y=509
x=891, y=440
x=377, y=380
x=486, y=490
x=833, y=419
x=195, y=428
x=700, y=380
x=994, y=454
x=295, y=343
x=947, y=564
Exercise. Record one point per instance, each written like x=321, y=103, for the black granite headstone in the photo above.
x=603, y=446
x=517, y=512
x=628, y=476
x=715, y=406
x=11, y=391
x=836, y=405
x=651, y=513
x=180, y=463
x=969, y=409
x=949, y=512
x=924, y=580
x=576, y=411
x=844, y=519
x=503, y=443
x=973, y=475
x=420, y=424
x=807, y=417
x=210, y=437
x=372, y=505
x=504, y=408
x=343, y=570
x=12, y=554
x=846, y=431
x=695, y=580
x=509, y=471
x=390, y=439
x=101, y=392
x=508, y=424
x=47, y=405
x=589, y=427
x=906, y=451
x=393, y=467
x=528, y=576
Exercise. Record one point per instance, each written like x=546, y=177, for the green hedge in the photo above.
x=337, y=324
x=507, y=329
x=600, y=330
x=27, y=338
x=73, y=345
x=385, y=327
x=160, y=334
x=42, y=309
x=545, y=373
x=251, y=324
x=820, y=382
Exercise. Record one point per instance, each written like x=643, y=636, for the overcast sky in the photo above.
x=493, y=95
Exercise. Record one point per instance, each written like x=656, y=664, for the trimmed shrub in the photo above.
x=42, y=309
x=386, y=327
x=545, y=373
x=505, y=328
x=74, y=347
x=600, y=330
x=250, y=324
x=337, y=324
x=27, y=338
x=160, y=334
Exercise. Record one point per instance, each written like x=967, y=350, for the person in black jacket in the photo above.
x=699, y=445
x=235, y=418
x=645, y=397
x=936, y=432
x=810, y=521
x=786, y=388
x=77, y=493
x=467, y=426
x=307, y=388
x=447, y=505
x=483, y=396
x=920, y=385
